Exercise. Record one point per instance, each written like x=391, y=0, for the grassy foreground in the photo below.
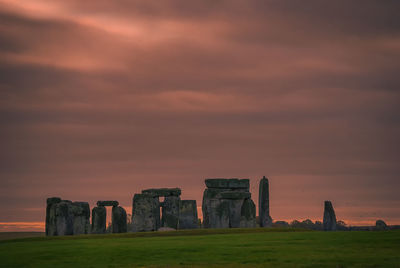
x=216, y=248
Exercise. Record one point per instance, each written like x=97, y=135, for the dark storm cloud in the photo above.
x=100, y=101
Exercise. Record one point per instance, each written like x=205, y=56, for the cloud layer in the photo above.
x=99, y=100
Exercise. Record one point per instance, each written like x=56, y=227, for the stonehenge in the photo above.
x=329, y=222
x=263, y=203
x=227, y=203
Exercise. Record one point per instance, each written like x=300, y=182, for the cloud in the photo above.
x=102, y=100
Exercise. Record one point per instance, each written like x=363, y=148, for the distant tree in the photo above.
x=295, y=224
x=318, y=226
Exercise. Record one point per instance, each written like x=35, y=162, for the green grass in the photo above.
x=217, y=248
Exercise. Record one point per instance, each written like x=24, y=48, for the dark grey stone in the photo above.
x=263, y=203
x=170, y=212
x=248, y=214
x=99, y=218
x=188, y=214
x=234, y=195
x=107, y=203
x=228, y=183
x=145, y=213
x=329, y=222
x=380, y=225
x=119, y=220
x=51, y=229
x=64, y=212
x=163, y=191
x=81, y=211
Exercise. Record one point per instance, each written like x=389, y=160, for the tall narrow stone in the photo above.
x=145, y=213
x=119, y=221
x=248, y=214
x=99, y=217
x=329, y=217
x=64, y=218
x=81, y=211
x=188, y=214
x=170, y=212
x=51, y=228
x=263, y=203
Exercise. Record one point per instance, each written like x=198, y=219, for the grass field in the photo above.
x=215, y=248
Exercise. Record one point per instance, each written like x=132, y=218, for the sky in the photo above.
x=101, y=99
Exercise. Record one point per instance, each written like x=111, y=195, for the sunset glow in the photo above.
x=101, y=99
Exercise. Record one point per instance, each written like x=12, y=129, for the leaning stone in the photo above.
x=228, y=183
x=145, y=213
x=51, y=229
x=119, y=220
x=188, y=214
x=263, y=203
x=235, y=195
x=170, y=212
x=381, y=225
x=99, y=217
x=248, y=214
x=107, y=203
x=81, y=211
x=329, y=222
x=163, y=191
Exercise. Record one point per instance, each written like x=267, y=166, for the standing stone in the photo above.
x=51, y=228
x=170, y=212
x=145, y=213
x=188, y=214
x=64, y=218
x=329, y=222
x=81, y=211
x=248, y=214
x=263, y=203
x=99, y=218
x=380, y=225
x=223, y=201
x=119, y=221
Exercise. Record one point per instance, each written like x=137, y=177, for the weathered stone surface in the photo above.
x=218, y=213
x=248, y=214
x=145, y=213
x=223, y=203
x=380, y=225
x=263, y=203
x=119, y=220
x=329, y=222
x=163, y=191
x=235, y=212
x=234, y=195
x=51, y=229
x=188, y=214
x=170, y=212
x=107, y=203
x=99, y=217
x=228, y=183
x=81, y=211
x=64, y=218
